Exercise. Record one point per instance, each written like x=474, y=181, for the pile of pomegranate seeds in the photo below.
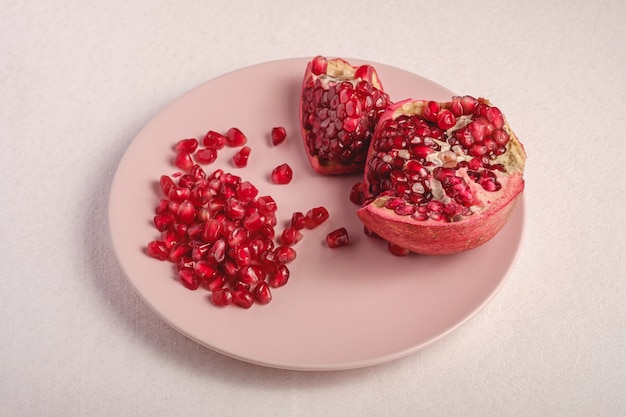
x=219, y=234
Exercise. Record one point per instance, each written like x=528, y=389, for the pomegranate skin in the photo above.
x=491, y=210
x=441, y=238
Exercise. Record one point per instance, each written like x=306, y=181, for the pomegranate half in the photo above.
x=441, y=178
x=339, y=108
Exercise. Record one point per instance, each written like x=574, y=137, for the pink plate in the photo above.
x=342, y=308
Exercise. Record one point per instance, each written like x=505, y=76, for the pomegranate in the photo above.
x=340, y=106
x=441, y=178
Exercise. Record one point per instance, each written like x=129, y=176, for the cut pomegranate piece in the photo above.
x=240, y=159
x=282, y=174
x=441, y=177
x=235, y=137
x=338, y=238
x=279, y=134
x=339, y=108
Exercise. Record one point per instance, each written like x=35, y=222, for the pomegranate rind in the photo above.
x=435, y=237
x=338, y=70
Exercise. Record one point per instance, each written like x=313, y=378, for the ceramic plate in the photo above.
x=344, y=308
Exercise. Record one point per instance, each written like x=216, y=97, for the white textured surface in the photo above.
x=79, y=79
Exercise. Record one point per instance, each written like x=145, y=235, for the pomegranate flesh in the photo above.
x=339, y=108
x=441, y=178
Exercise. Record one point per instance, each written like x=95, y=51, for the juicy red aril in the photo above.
x=315, y=217
x=262, y=293
x=279, y=277
x=319, y=65
x=214, y=140
x=158, y=250
x=298, y=220
x=338, y=238
x=183, y=161
x=240, y=159
x=222, y=297
x=396, y=250
x=282, y=174
x=235, y=137
x=188, y=278
x=291, y=236
x=188, y=146
x=279, y=134
x=356, y=194
x=284, y=254
x=243, y=297
x=205, y=156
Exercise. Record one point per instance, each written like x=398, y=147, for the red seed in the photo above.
x=356, y=194
x=319, y=65
x=291, y=236
x=338, y=238
x=188, y=278
x=298, y=220
x=240, y=159
x=284, y=254
x=243, y=297
x=186, y=145
x=235, y=137
x=222, y=297
x=279, y=134
x=183, y=161
x=279, y=277
x=262, y=292
x=282, y=174
x=158, y=250
x=315, y=217
x=206, y=156
x=214, y=140
x=396, y=250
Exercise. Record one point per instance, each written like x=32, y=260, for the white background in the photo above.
x=78, y=80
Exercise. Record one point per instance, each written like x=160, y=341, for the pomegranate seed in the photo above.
x=315, y=217
x=183, y=161
x=158, y=250
x=284, y=254
x=163, y=221
x=186, y=212
x=282, y=174
x=243, y=297
x=262, y=292
x=240, y=159
x=356, y=194
x=298, y=220
x=204, y=270
x=188, y=146
x=397, y=250
x=445, y=119
x=166, y=184
x=216, y=283
x=279, y=134
x=291, y=236
x=235, y=137
x=214, y=140
x=338, y=238
x=206, y=156
x=250, y=274
x=188, y=278
x=279, y=277
x=319, y=65
x=178, y=251
x=222, y=297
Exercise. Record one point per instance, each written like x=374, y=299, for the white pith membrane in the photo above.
x=450, y=156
